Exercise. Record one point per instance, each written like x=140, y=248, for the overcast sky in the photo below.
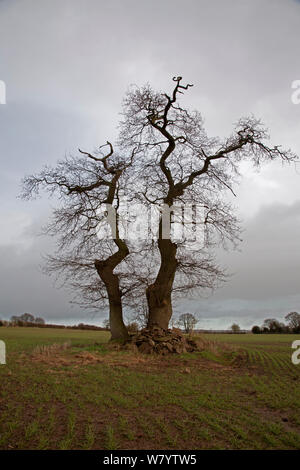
x=67, y=65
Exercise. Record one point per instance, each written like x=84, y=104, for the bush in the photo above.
x=256, y=330
x=235, y=328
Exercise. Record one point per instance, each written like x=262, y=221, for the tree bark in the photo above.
x=105, y=270
x=159, y=293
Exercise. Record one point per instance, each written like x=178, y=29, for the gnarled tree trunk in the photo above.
x=105, y=270
x=159, y=293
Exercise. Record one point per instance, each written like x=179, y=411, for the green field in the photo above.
x=65, y=389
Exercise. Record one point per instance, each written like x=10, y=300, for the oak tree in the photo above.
x=180, y=163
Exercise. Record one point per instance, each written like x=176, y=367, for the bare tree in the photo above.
x=163, y=158
x=293, y=319
x=273, y=325
x=83, y=185
x=27, y=318
x=187, y=321
x=181, y=164
x=235, y=328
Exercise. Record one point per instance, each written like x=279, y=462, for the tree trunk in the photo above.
x=159, y=293
x=117, y=328
x=105, y=270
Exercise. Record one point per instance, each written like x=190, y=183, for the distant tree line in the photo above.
x=28, y=320
x=271, y=325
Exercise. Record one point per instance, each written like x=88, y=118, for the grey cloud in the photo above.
x=24, y=288
x=67, y=64
x=265, y=271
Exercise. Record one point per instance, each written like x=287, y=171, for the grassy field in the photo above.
x=64, y=389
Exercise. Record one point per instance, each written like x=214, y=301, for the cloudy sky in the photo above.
x=67, y=65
